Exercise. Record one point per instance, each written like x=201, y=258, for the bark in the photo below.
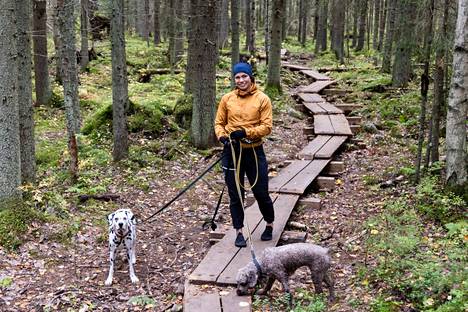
x=10, y=159
x=41, y=65
x=26, y=118
x=338, y=26
x=179, y=31
x=156, y=23
x=267, y=29
x=284, y=22
x=274, y=57
x=234, y=34
x=140, y=18
x=362, y=25
x=305, y=21
x=439, y=89
x=402, y=66
x=375, y=32
x=223, y=23
x=175, y=32
x=301, y=17
x=57, y=44
x=424, y=85
x=84, y=60
x=383, y=18
x=321, y=43
x=203, y=53
x=389, y=36
x=456, y=145
x=119, y=82
x=69, y=74
x=249, y=26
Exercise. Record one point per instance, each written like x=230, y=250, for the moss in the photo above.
x=15, y=217
x=56, y=100
x=183, y=111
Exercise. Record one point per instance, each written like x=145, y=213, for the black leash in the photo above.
x=212, y=223
x=185, y=188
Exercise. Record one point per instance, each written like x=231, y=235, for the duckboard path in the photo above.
x=211, y=285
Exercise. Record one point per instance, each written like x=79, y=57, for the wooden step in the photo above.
x=284, y=205
x=325, y=184
x=304, y=179
x=310, y=97
x=316, y=87
x=354, y=120
x=292, y=237
x=331, y=125
x=315, y=74
x=334, y=168
x=323, y=108
x=311, y=202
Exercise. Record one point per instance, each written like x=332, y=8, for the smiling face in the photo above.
x=243, y=81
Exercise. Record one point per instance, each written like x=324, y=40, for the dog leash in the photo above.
x=184, y=190
x=212, y=223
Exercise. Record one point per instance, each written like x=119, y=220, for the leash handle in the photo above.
x=185, y=189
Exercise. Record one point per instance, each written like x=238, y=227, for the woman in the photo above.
x=243, y=118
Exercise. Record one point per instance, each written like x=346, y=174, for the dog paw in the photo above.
x=134, y=279
x=108, y=282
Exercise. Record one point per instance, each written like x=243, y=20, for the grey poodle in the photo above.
x=281, y=262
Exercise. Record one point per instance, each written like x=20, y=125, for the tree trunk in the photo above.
x=234, y=35
x=362, y=25
x=119, y=82
x=10, y=159
x=274, y=57
x=179, y=33
x=305, y=21
x=57, y=44
x=388, y=46
x=267, y=29
x=383, y=18
x=402, y=66
x=156, y=26
x=69, y=76
x=375, y=32
x=84, y=60
x=321, y=43
x=338, y=24
x=203, y=53
x=223, y=23
x=301, y=17
x=250, y=26
x=284, y=22
x=456, y=172
x=439, y=78
x=140, y=18
x=26, y=118
x=424, y=85
x=41, y=66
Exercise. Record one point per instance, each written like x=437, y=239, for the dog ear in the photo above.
x=252, y=278
x=109, y=218
x=133, y=219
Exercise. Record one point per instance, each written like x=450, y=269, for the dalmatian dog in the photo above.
x=122, y=231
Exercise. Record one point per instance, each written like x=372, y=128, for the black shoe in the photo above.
x=267, y=234
x=240, y=241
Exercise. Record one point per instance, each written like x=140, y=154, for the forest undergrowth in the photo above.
x=395, y=246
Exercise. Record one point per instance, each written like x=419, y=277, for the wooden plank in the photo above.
x=331, y=109
x=219, y=255
x=315, y=108
x=294, y=67
x=340, y=124
x=354, y=120
x=316, y=87
x=311, y=202
x=284, y=205
x=196, y=300
x=323, y=125
x=311, y=97
x=347, y=108
x=313, y=147
x=286, y=174
x=231, y=302
x=330, y=147
x=315, y=74
x=301, y=181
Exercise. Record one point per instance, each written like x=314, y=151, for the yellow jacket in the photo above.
x=249, y=110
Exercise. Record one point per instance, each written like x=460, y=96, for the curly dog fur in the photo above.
x=281, y=262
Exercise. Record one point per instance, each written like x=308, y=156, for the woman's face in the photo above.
x=243, y=81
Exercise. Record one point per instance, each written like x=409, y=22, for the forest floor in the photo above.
x=49, y=275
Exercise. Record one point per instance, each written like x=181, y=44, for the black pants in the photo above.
x=260, y=189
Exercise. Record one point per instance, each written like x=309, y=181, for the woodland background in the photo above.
x=118, y=98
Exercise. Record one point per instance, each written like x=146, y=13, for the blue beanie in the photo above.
x=242, y=68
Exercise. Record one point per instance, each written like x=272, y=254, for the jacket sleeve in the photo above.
x=265, y=123
x=221, y=119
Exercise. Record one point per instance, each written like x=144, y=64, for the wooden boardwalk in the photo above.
x=211, y=286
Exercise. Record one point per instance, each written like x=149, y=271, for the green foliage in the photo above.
x=6, y=282
x=15, y=217
x=437, y=203
x=143, y=300
x=416, y=267
x=304, y=301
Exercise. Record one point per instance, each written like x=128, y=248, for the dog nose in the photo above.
x=120, y=224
